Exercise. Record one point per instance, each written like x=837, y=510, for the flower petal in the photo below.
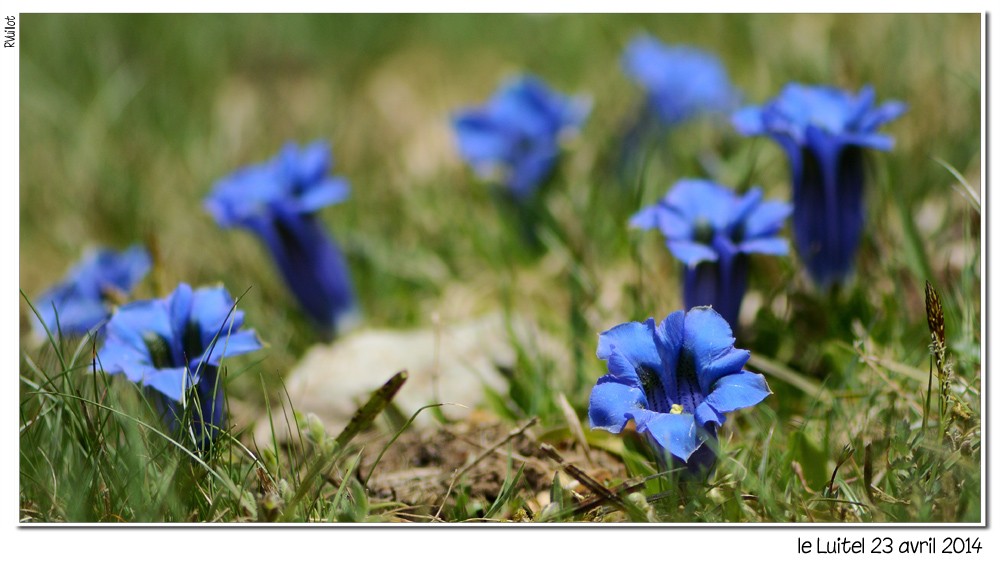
x=132, y=321
x=531, y=169
x=669, y=339
x=535, y=109
x=322, y=194
x=696, y=199
x=123, y=270
x=775, y=246
x=517, y=133
x=480, y=138
x=229, y=345
x=170, y=382
x=646, y=218
x=708, y=339
x=117, y=353
x=691, y=253
x=246, y=193
x=621, y=368
x=748, y=121
x=681, y=81
x=80, y=298
x=875, y=141
x=673, y=225
x=212, y=310
x=704, y=415
x=746, y=204
x=292, y=182
x=309, y=165
x=611, y=402
x=75, y=314
x=179, y=304
x=737, y=391
x=633, y=340
x=766, y=219
x=676, y=433
x=130, y=332
x=885, y=113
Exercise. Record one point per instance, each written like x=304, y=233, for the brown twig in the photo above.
x=603, y=494
x=581, y=476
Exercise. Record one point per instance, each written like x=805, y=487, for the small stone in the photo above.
x=447, y=363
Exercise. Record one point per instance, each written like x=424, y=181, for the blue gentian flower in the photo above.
x=824, y=131
x=681, y=81
x=676, y=381
x=83, y=299
x=175, y=344
x=279, y=200
x=712, y=230
x=515, y=136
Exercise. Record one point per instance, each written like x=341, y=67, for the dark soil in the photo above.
x=422, y=465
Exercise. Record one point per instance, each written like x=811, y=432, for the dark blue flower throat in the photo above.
x=689, y=394
x=653, y=387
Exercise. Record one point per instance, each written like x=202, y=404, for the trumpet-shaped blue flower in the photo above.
x=278, y=200
x=712, y=230
x=175, y=344
x=676, y=381
x=82, y=300
x=514, y=137
x=824, y=132
x=681, y=81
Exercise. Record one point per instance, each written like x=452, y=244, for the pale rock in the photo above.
x=447, y=363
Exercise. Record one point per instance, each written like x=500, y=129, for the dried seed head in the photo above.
x=935, y=314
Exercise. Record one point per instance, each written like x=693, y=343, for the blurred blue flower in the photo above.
x=279, y=200
x=681, y=81
x=175, y=344
x=514, y=137
x=675, y=381
x=712, y=230
x=824, y=131
x=82, y=300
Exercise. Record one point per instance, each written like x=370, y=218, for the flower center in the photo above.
x=703, y=231
x=191, y=340
x=736, y=235
x=163, y=355
x=523, y=146
x=676, y=409
x=159, y=350
x=689, y=391
x=656, y=395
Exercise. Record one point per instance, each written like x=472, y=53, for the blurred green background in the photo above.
x=127, y=120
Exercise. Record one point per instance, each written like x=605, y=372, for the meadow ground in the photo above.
x=127, y=121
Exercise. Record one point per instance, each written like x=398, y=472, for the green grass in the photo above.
x=121, y=141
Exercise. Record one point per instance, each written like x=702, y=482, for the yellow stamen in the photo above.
x=676, y=409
